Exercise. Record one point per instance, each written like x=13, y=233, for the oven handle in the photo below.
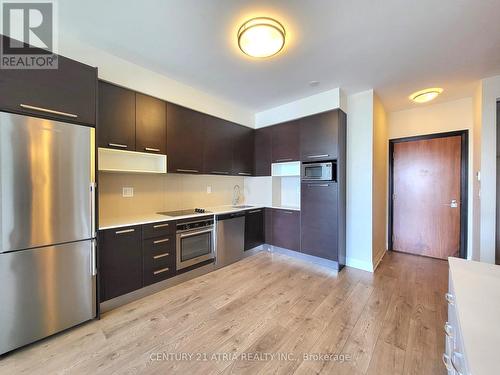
x=195, y=233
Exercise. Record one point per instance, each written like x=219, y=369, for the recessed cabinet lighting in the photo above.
x=261, y=37
x=424, y=96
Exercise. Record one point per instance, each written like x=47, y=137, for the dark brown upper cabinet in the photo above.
x=262, y=151
x=319, y=136
x=67, y=93
x=185, y=139
x=319, y=219
x=243, y=149
x=286, y=229
x=150, y=124
x=116, y=117
x=217, y=150
x=286, y=142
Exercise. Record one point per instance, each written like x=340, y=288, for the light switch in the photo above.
x=209, y=189
x=127, y=192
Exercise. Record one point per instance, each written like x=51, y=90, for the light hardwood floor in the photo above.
x=386, y=323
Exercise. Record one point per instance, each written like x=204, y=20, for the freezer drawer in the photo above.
x=44, y=291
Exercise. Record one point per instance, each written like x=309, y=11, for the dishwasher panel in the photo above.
x=230, y=238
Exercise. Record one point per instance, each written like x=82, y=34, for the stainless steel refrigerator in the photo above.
x=47, y=228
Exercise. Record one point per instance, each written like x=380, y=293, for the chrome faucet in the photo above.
x=236, y=194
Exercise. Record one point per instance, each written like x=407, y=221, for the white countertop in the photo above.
x=477, y=301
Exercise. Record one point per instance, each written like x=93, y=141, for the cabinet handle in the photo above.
x=318, y=185
x=280, y=160
x=151, y=149
x=244, y=174
x=125, y=231
x=54, y=112
x=187, y=170
x=287, y=212
x=117, y=145
x=160, y=225
x=219, y=172
x=161, y=255
x=254, y=211
x=450, y=298
x=318, y=156
x=161, y=271
x=161, y=241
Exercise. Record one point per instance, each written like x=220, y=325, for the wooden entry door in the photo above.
x=426, y=197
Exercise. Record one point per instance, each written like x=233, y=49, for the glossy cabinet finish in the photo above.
x=150, y=124
x=120, y=261
x=263, y=151
x=254, y=228
x=185, y=140
x=319, y=222
x=286, y=229
x=116, y=117
x=217, y=150
x=71, y=89
x=286, y=142
x=242, y=151
x=319, y=136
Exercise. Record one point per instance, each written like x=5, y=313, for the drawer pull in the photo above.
x=187, y=170
x=119, y=145
x=54, y=112
x=318, y=185
x=160, y=226
x=125, y=231
x=318, y=156
x=161, y=271
x=151, y=149
x=448, y=330
x=161, y=255
x=219, y=172
x=244, y=174
x=254, y=211
x=161, y=241
x=450, y=298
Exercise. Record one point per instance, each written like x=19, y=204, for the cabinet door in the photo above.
x=254, y=228
x=319, y=221
x=319, y=136
x=120, y=261
x=116, y=117
x=71, y=89
x=262, y=151
x=286, y=229
x=217, y=151
x=286, y=142
x=150, y=124
x=242, y=145
x=185, y=138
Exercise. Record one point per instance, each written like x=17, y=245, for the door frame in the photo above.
x=464, y=182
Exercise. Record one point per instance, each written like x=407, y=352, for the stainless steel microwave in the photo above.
x=323, y=171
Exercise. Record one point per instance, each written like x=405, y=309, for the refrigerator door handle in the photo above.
x=93, y=258
x=92, y=209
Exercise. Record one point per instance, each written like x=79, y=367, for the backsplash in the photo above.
x=154, y=193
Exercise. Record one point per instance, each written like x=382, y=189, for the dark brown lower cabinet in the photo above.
x=286, y=229
x=159, y=259
x=120, y=261
x=319, y=221
x=254, y=228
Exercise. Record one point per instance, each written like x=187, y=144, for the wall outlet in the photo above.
x=209, y=189
x=127, y=192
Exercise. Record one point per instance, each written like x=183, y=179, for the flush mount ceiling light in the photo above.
x=261, y=37
x=424, y=96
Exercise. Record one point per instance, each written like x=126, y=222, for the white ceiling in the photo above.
x=393, y=46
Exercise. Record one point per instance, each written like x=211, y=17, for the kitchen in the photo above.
x=232, y=197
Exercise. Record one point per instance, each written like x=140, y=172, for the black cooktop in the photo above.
x=190, y=211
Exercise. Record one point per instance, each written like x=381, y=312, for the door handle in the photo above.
x=119, y=145
x=454, y=203
x=151, y=149
x=93, y=258
x=318, y=156
x=46, y=110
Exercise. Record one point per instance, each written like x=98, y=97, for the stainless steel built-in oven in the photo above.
x=195, y=242
x=323, y=171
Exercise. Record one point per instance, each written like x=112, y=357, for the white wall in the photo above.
x=476, y=184
x=490, y=93
x=380, y=181
x=321, y=102
x=440, y=118
x=359, y=180
x=127, y=74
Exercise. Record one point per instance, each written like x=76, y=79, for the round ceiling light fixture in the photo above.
x=261, y=37
x=424, y=96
